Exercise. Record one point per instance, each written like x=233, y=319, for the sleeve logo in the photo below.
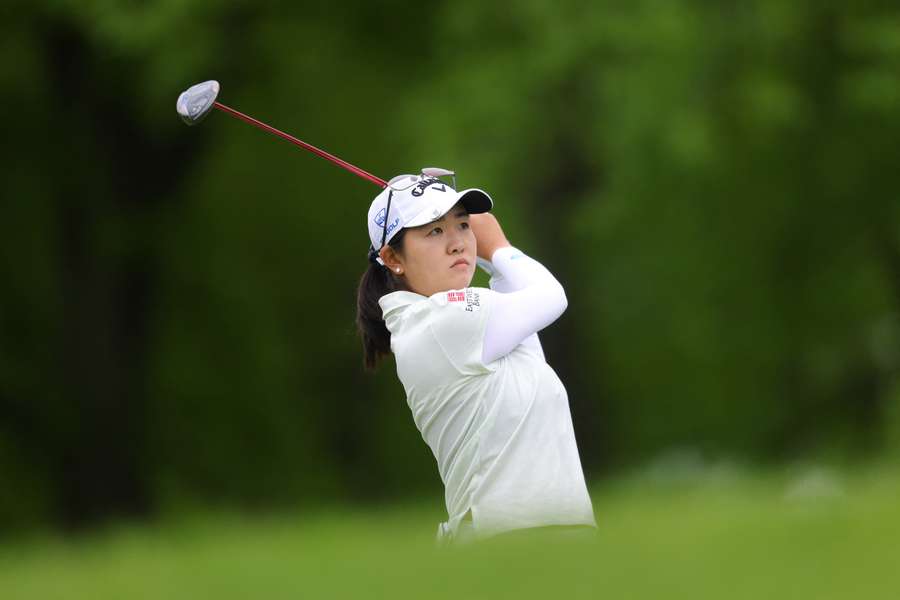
x=469, y=296
x=473, y=300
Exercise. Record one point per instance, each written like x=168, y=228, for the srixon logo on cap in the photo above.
x=379, y=220
x=423, y=185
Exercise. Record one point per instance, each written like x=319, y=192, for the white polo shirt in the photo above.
x=501, y=432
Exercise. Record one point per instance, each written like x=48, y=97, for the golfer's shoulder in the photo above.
x=465, y=300
x=461, y=309
x=459, y=314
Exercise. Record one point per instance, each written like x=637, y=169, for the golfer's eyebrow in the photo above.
x=460, y=213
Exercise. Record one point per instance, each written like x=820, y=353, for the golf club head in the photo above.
x=195, y=102
x=436, y=172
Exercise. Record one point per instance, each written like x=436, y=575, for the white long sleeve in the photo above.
x=500, y=284
x=529, y=299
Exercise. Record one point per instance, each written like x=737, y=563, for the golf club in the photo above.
x=198, y=101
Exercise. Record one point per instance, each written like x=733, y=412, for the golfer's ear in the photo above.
x=390, y=258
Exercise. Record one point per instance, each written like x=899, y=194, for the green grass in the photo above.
x=714, y=533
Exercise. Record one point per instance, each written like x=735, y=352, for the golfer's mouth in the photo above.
x=461, y=261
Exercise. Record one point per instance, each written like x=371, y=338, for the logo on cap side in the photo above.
x=391, y=227
x=379, y=218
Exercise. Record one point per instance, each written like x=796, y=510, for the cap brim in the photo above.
x=474, y=200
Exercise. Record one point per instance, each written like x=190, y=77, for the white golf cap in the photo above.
x=416, y=200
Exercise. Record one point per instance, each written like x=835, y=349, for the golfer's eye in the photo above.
x=436, y=231
x=464, y=224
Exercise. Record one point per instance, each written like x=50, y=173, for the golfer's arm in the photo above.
x=530, y=298
x=500, y=284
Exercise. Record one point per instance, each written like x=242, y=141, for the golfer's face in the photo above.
x=440, y=255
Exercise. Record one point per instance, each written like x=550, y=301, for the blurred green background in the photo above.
x=715, y=184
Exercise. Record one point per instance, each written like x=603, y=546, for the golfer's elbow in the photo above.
x=557, y=299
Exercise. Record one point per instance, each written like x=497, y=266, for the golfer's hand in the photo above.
x=488, y=234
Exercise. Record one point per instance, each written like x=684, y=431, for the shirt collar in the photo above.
x=396, y=300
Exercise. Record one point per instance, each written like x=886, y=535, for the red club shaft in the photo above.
x=301, y=143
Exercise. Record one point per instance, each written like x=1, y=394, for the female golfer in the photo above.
x=491, y=409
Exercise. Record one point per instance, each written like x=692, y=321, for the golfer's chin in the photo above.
x=452, y=281
x=462, y=280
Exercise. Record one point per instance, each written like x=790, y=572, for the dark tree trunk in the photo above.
x=108, y=260
x=569, y=176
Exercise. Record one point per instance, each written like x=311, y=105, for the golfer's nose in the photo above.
x=456, y=243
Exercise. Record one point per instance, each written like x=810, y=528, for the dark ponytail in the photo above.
x=375, y=283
